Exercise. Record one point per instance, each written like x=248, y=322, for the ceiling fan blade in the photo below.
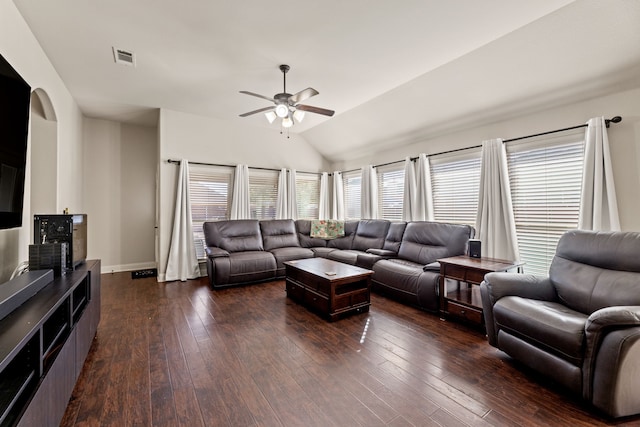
x=258, y=95
x=316, y=110
x=257, y=111
x=302, y=95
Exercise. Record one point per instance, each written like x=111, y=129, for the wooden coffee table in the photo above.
x=330, y=288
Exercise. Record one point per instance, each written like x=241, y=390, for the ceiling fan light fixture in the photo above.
x=270, y=115
x=282, y=110
x=287, y=122
x=298, y=115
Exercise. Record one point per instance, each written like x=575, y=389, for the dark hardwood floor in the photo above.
x=179, y=354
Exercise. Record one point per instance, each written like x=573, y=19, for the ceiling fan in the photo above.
x=287, y=106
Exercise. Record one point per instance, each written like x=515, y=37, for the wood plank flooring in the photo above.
x=179, y=354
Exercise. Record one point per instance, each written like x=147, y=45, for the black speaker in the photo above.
x=50, y=256
x=475, y=248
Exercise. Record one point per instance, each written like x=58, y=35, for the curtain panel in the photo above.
x=282, y=201
x=495, y=223
x=324, y=208
x=338, y=197
x=424, y=196
x=369, y=193
x=410, y=196
x=598, y=203
x=240, y=204
x=182, y=263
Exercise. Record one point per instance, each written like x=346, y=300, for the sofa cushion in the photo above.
x=278, y=233
x=407, y=282
x=546, y=324
x=234, y=235
x=370, y=234
x=242, y=267
x=288, y=254
x=347, y=256
x=323, y=252
x=591, y=273
x=345, y=242
x=303, y=227
x=424, y=242
x=394, y=236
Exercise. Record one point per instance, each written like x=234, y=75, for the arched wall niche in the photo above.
x=44, y=158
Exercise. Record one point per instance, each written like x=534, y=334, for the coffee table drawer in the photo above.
x=316, y=301
x=295, y=291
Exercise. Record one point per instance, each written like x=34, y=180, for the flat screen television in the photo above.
x=15, y=95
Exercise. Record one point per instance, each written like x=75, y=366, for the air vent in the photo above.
x=124, y=57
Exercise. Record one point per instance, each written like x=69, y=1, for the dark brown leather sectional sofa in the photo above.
x=401, y=254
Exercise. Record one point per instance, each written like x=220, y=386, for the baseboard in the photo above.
x=127, y=267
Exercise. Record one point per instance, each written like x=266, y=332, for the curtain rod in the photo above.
x=607, y=122
x=177, y=162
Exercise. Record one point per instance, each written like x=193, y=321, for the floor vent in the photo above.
x=124, y=57
x=149, y=272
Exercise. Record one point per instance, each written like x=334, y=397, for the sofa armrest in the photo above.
x=498, y=285
x=434, y=266
x=385, y=253
x=215, y=252
x=600, y=323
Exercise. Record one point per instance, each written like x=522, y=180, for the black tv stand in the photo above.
x=43, y=345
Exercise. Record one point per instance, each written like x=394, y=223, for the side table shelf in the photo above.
x=463, y=301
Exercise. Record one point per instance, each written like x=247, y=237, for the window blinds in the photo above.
x=307, y=195
x=263, y=193
x=210, y=190
x=352, y=190
x=455, y=182
x=545, y=179
x=390, y=191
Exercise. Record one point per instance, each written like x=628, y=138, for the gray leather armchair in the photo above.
x=580, y=325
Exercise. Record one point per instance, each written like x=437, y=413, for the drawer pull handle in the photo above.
x=463, y=312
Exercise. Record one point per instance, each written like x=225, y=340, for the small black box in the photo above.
x=475, y=248
x=49, y=256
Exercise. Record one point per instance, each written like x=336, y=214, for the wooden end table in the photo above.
x=330, y=288
x=464, y=302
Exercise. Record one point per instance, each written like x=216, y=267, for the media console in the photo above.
x=43, y=345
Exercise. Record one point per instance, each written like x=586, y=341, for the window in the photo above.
x=352, y=189
x=210, y=194
x=546, y=181
x=390, y=191
x=263, y=193
x=455, y=182
x=307, y=195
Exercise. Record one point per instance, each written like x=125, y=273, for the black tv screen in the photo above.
x=15, y=95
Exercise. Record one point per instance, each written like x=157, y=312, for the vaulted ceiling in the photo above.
x=392, y=71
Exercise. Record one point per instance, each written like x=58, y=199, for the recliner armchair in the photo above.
x=580, y=325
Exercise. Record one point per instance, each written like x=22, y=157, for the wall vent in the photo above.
x=124, y=57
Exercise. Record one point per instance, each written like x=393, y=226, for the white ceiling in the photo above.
x=392, y=71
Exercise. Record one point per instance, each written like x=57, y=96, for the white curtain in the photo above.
x=369, y=192
x=182, y=263
x=240, y=204
x=282, y=207
x=424, y=196
x=409, y=199
x=292, y=200
x=338, y=196
x=598, y=204
x=495, y=223
x=324, y=211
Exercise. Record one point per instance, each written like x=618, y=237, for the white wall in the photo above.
x=208, y=140
x=20, y=48
x=120, y=176
x=624, y=139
